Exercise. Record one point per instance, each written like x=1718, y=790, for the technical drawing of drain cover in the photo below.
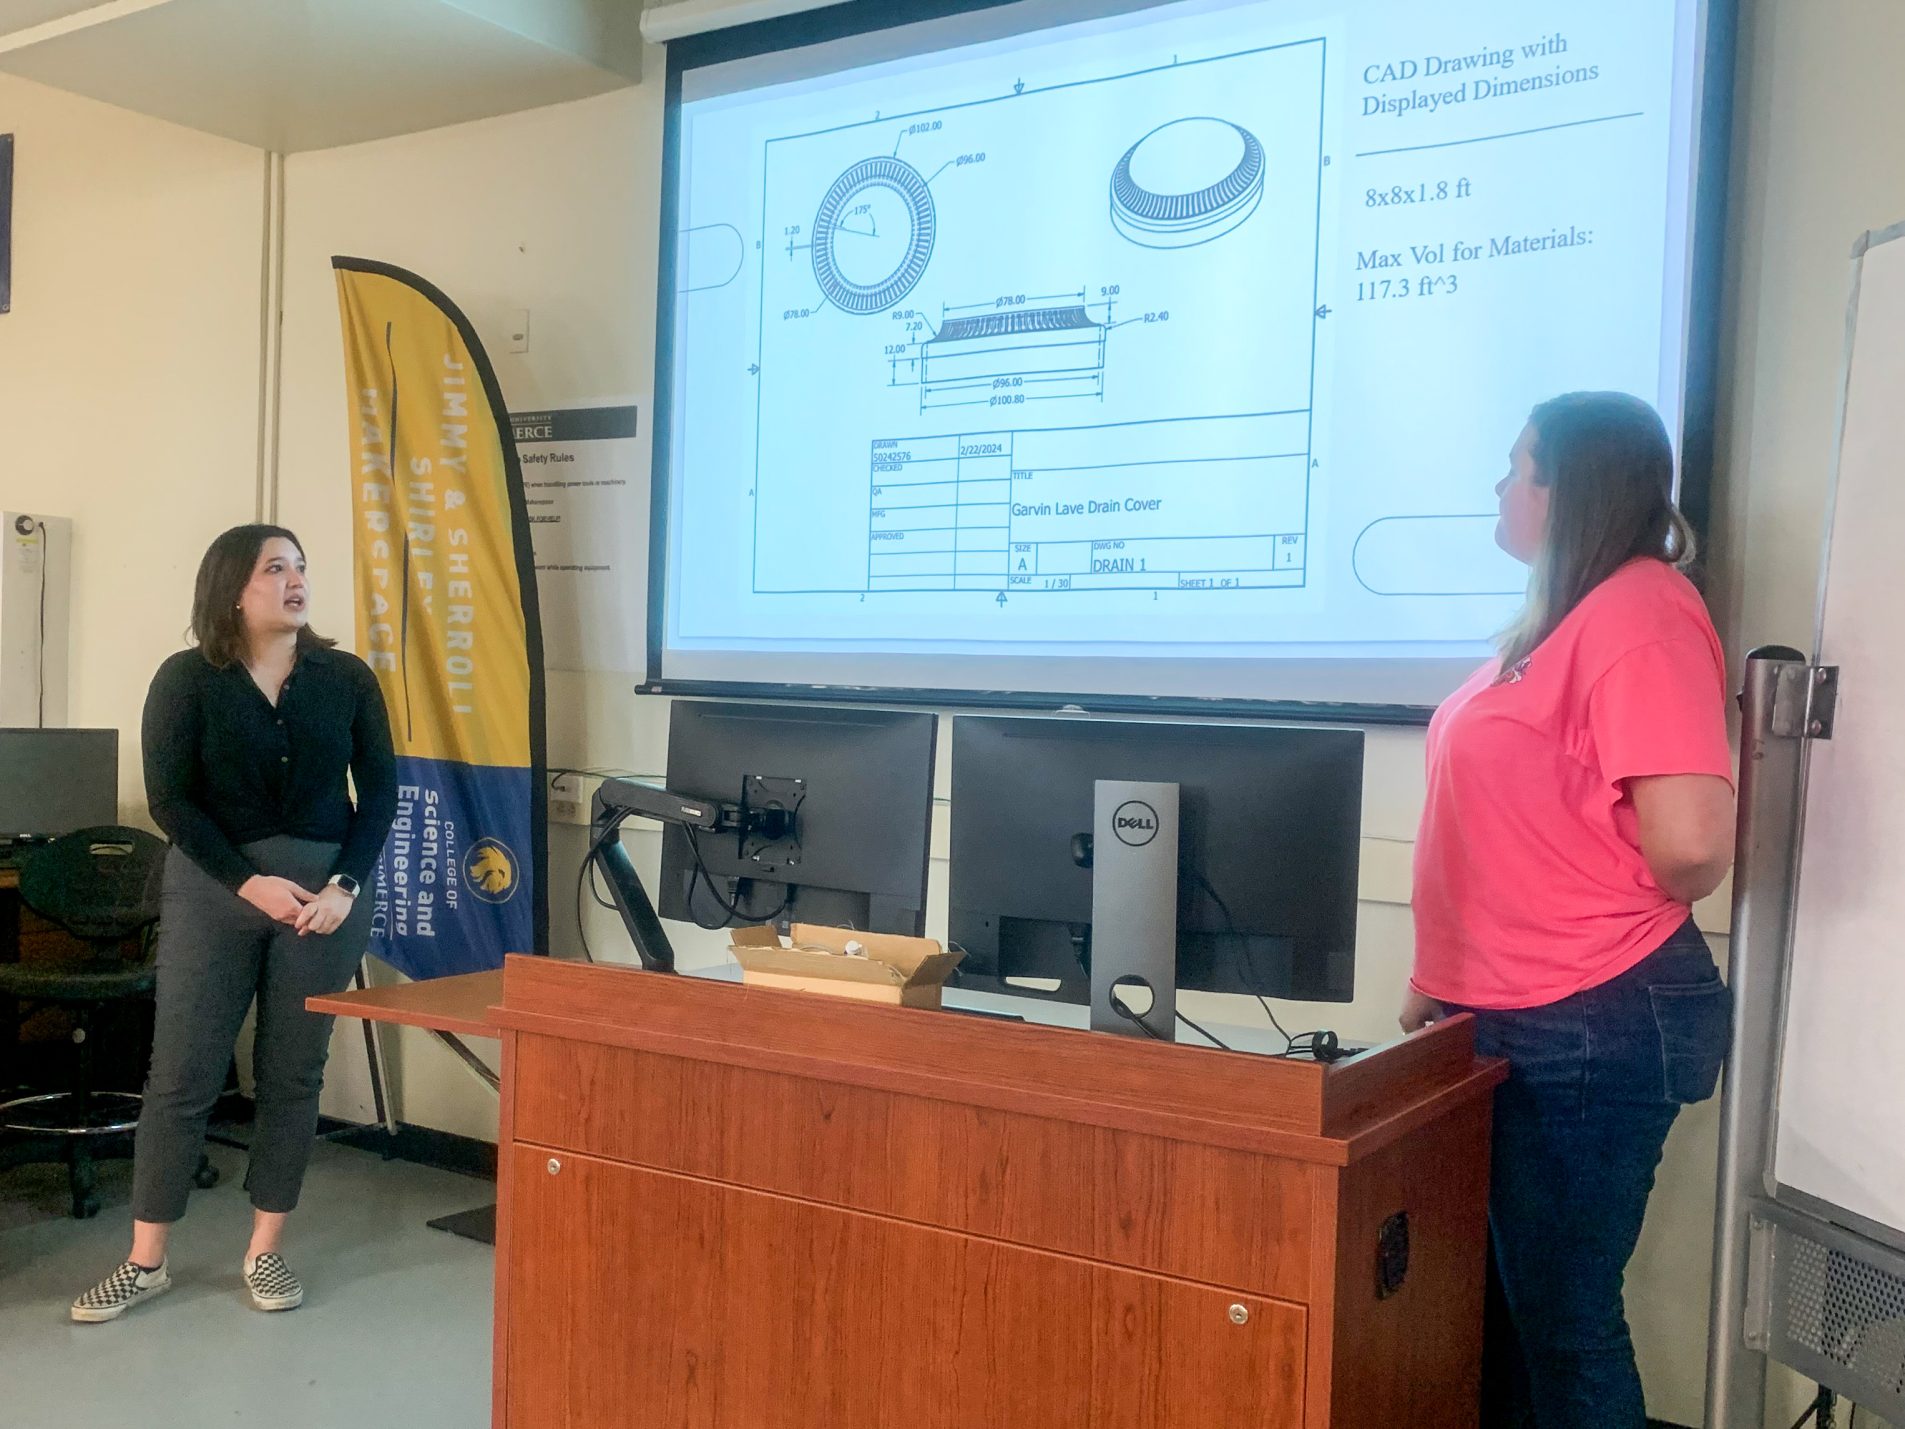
x=873, y=235
x=1187, y=182
x=1036, y=352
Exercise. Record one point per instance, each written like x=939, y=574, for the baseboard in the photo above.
x=422, y=1145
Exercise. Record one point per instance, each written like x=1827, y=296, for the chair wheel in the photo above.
x=85, y=1207
x=205, y=1177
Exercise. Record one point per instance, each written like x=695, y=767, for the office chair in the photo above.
x=102, y=886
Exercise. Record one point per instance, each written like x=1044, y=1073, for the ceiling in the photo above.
x=291, y=75
x=25, y=14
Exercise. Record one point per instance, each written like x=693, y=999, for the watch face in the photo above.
x=346, y=882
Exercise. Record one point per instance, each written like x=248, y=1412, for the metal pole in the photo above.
x=1764, y=867
x=377, y=1058
x=270, y=338
x=478, y=1067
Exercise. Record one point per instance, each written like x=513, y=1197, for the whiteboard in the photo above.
x=1841, y=1132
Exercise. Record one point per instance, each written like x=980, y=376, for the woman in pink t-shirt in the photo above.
x=1580, y=800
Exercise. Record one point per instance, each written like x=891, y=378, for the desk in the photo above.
x=449, y=1009
x=738, y=1207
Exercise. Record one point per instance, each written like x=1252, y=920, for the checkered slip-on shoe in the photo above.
x=119, y=1292
x=271, y=1284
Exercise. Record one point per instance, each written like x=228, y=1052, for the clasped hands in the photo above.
x=291, y=903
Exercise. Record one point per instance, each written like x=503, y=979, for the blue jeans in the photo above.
x=1595, y=1082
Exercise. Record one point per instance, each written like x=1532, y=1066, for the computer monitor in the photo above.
x=53, y=781
x=1269, y=833
x=851, y=791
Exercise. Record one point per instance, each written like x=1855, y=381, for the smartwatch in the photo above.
x=344, y=881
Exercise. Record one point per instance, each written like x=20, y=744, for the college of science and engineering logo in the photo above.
x=1135, y=822
x=490, y=871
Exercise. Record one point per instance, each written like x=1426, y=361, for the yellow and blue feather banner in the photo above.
x=445, y=585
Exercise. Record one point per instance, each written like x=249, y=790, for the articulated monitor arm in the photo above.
x=618, y=800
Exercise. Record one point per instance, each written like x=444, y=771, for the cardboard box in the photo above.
x=904, y=972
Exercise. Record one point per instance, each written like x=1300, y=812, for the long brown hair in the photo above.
x=217, y=624
x=1608, y=465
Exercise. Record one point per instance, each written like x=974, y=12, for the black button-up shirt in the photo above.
x=224, y=767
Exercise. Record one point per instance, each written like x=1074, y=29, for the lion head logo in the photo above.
x=489, y=868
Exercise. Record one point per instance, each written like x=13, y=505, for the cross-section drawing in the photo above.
x=1057, y=352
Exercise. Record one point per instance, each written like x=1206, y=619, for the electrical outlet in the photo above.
x=568, y=800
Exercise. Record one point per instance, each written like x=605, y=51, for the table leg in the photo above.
x=478, y=1224
x=9, y=1007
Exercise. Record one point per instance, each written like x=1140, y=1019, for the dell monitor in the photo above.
x=828, y=815
x=53, y=781
x=1268, y=832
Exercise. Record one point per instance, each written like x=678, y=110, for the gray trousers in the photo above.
x=215, y=954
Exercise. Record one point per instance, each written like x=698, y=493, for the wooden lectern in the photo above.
x=738, y=1208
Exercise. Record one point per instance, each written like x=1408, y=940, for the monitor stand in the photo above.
x=1134, y=907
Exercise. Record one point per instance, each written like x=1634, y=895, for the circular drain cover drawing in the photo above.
x=873, y=235
x=1187, y=182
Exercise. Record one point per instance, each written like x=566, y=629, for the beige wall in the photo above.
x=1819, y=157
x=554, y=211
x=128, y=373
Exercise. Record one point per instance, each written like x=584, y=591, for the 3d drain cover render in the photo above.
x=1187, y=182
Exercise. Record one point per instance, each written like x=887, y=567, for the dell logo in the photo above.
x=1135, y=823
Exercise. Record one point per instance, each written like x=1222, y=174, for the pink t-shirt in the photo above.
x=1529, y=880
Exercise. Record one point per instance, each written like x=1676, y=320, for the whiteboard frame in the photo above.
x=1757, y=1311
x=1892, y=1237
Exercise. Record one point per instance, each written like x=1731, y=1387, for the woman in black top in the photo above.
x=248, y=739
